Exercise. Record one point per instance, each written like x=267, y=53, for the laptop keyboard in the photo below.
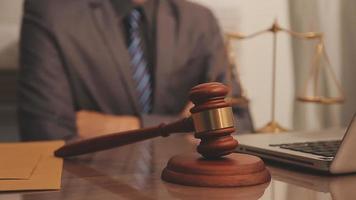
x=320, y=148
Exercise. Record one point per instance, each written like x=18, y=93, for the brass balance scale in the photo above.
x=311, y=91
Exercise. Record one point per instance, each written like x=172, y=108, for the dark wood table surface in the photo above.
x=126, y=173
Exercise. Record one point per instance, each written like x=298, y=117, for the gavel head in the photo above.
x=213, y=120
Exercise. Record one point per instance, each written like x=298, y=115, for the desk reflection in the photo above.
x=192, y=193
x=114, y=174
x=298, y=184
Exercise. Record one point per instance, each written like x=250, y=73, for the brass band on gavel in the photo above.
x=213, y=119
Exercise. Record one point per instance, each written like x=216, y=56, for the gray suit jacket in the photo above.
x=73, y=57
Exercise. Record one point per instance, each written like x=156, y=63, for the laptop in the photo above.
x=332, y=151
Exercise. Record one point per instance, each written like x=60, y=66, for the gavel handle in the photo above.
x=123, y=138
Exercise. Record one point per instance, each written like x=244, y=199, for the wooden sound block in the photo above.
x=230, y=171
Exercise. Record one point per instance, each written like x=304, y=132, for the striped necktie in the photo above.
x=139, y=64
x=142, y=78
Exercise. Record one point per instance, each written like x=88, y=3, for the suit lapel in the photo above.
x=108, y=25
x=165, y=43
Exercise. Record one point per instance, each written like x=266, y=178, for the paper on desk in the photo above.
x=17, y=164
x=47, y=172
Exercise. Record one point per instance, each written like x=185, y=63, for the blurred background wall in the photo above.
x=336, y=18
x=10, y=17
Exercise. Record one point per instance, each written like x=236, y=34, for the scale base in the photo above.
x=272, y=127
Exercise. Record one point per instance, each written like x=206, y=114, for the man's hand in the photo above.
x=186, y=113
x=186, y=110
x=91, y=124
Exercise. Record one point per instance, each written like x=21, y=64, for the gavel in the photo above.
x=211, y=120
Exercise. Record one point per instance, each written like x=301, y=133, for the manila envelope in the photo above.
x=45, y=174
x=18, y=164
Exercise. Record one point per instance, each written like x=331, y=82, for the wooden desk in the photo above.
x=112, y=175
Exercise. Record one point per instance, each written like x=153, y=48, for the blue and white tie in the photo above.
x=142, y=78
x=141, y=74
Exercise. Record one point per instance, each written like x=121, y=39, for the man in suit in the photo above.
x=78, y=66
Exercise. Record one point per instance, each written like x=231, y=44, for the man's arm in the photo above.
x=217, y=62
x=45, y=106
x=215, y=56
